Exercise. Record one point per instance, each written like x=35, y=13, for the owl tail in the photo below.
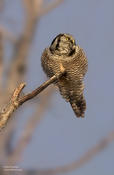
x=79, y=107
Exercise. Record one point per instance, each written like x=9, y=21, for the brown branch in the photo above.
x=101, y=145
x=30, y=6
x=1, y=58
x=22, y=46
x=7, y=35
x=39, y=89
x=1, y=5
x=29, y=128
x=16, y=101
x=50, y=7
x=11, y=107
x=6, y=139
x=33, y=6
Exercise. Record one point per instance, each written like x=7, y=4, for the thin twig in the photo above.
x=101, y=145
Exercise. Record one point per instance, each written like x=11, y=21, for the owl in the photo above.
x=64, y=51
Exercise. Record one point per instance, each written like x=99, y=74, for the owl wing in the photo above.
x=46, y=63
x=73, y=94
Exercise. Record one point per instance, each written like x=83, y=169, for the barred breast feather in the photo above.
x=70, y=86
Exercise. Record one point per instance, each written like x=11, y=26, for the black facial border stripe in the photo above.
x=58, y=36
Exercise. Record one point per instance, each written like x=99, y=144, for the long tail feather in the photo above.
x=79, y=107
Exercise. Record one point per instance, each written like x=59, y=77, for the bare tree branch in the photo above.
x=50, y=7
x=16, y=101
x=41, y=88
x=30, y=127
x=7, y=35
x=18, y=65
x=11, y=107
x=1, y=58
x=33, y=6
x=1, y=5
x=29, y=5
x=22, y=46
x=101, y=145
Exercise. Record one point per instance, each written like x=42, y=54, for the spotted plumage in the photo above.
x=63, y=50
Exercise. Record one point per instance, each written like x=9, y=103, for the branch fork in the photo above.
x=17, y=101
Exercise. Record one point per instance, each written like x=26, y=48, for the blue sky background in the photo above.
x=61, y=138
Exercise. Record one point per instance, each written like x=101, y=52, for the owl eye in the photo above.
x=73, y=41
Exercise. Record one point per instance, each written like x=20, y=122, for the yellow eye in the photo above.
x=73, y=41
x=66, y=36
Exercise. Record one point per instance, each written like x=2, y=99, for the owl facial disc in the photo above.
x=63, y=44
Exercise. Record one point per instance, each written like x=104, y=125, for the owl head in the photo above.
x=63, y=44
